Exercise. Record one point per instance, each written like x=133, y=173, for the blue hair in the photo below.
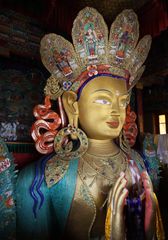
x=35, y=191
x=94, y=76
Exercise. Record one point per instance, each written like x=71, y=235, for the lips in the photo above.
x=113, y=124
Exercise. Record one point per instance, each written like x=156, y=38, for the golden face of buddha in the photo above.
x=101, y=107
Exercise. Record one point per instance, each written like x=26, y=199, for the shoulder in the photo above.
x=56, y=169
x=49, y=168
x=136, y=158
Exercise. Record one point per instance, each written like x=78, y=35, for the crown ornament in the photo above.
x=93, y=53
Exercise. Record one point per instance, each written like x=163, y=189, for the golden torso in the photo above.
x=96, y=178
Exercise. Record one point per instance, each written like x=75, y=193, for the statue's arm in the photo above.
x=149, y=198
x=20, y=214
x=116, y=215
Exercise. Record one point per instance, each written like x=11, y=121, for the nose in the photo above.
x=115, y=107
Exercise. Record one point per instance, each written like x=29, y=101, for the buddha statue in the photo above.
x=87, y=185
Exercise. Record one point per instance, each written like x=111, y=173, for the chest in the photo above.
x=88, y=210
x=87, y=214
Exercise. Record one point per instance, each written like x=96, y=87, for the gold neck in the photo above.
x=102, y=147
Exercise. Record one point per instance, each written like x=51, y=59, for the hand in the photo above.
x=117, y=200
x=150, y=206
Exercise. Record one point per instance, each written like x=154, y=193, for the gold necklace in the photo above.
x=108, y=167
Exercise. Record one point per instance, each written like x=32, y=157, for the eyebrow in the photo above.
x=109, y=92
x=103, y=90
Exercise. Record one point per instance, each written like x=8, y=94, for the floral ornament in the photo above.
x=66, y=85
x=92, y=70
x=7, y=190
x=130, y=129
x=4, y=163
x=9, y=202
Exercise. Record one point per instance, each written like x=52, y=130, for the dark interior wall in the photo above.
x=155, y=102
x=155, y=81
x=148, y=120
x=21, y=86
x=22, y=75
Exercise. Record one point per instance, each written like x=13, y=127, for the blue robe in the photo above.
x=49, y=221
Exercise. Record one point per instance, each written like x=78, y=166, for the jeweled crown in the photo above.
x=93, y=53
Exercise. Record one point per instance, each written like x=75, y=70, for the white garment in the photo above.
x=162, y=149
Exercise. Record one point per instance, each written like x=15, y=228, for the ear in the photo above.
x=71, y=107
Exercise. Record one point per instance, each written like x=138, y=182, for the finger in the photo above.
x=121, y=200
x=117, y=184
x=149, y=196
x=146, y=180
x=148, y=191
x=119, y=191
x=110, y=197
x=122, y=174
x=146, y=184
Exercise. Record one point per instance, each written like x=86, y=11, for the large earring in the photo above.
x=67, y=148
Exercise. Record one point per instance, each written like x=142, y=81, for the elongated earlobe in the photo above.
x=71, y=107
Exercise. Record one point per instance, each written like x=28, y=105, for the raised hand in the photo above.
x=116, y=203
x=150, y=207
